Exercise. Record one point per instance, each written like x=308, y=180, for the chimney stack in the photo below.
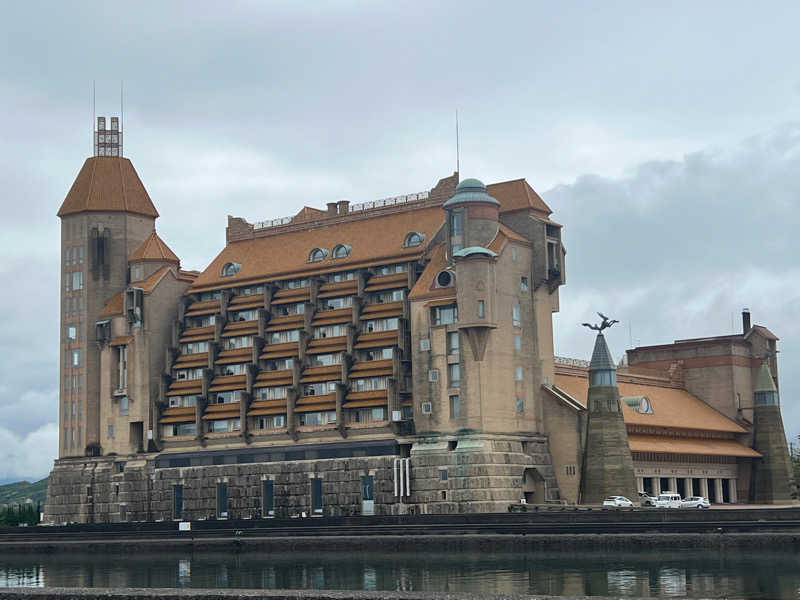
x=745, y=320
x=344, y=207
x=332, y=210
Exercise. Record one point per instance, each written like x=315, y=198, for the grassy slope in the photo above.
x=15, y=493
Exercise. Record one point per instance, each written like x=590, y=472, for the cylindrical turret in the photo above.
x=472, y=216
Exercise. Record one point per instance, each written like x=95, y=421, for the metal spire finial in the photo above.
x=605, y=323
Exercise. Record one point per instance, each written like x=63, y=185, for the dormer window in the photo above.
x=413, y=238
x=317, y=255
x=341, y=251
x=230, y=269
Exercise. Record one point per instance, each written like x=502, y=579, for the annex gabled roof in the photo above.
x=517, y=194
x=375, y=240
x=115, y=306
x=672, y=407
x=154, y=248
x=107, y=184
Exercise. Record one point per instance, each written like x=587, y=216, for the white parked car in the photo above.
x=646, y=499
x=668, y=500
x=695, y=502
x=617, y=501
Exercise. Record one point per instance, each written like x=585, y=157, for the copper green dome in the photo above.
x=471, y=190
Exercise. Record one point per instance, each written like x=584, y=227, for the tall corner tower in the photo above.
x=773, y=480
x=106, y=215
x=607, y=463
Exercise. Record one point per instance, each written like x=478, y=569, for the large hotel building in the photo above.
x=389, y=357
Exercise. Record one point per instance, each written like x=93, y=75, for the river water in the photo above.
x=692, y=574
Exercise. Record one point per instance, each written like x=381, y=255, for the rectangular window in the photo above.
x=68, y=256
x=177, y=501
x=316, y=495
x=320, y=388
x=72, y=333
x=242, y=341
x=272, y=422
x=517, y=342
x=344, y=276
x=111, y=430
x=281, y=337
x=222, y=500
x=455, y=407
x=444, y=315
x=481, y=309
x=375, y=354
x=122, y=368
x=442, y=474
x=454, y=375
x=280, y=364
x=79, y=250
x=194, y=347
x=276, y=392
x=513, y=253
x=68, y=282
x=523, y=284
x=76, y=358
x=367, y=488
x=381, y=324
x=335, y=303
x=235, y=369
x=368, y=415
x=456, y=224
x=318, y=418
x=245, y=315
x=520, y=404
x=515, y=315
x=123, y=406
x=518, y=373
x=268, y=498
x=453, y=342
x=319, y=360
x=370, y=383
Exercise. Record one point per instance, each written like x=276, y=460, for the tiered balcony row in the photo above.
x=324, y=356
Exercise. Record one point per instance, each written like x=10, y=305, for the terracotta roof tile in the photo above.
x=115, y=306
x=517, y=194
x=423, y=288
x=149, y=284
x=154, y=248
x=374, y=240
x=108, y=184
x=674, y=445
x=674, y=408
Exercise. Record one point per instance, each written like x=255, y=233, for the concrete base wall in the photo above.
x=482, y=474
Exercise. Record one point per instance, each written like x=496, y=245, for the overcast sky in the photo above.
x=665, y=137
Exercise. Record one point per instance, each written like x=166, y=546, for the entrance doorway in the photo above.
x=534, y=489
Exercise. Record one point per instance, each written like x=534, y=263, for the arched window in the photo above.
x=414, y=238
x=230, y=268
x=317, y=255
x=341, y=251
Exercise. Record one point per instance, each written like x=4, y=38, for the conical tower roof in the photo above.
x=764, y=381
x=154, y=248
x=107, y=184
x=601, y=357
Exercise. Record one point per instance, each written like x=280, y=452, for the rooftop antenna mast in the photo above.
x=458, y=147
x=121, y=129
x=94, y=117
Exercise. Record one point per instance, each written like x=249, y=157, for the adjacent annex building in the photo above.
x=382, y=358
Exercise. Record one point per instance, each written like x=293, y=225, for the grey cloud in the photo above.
x=677, y=249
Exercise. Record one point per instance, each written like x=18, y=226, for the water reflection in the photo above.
x=698, y=574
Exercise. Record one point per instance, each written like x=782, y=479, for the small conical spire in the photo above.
x=602, y=370
x=765, y=391
x=601, y=357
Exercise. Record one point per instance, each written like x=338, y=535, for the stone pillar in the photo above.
x=704, y=488
x=673, y=484
x=656, y=485
x=689, y=491
x=732, y=491
x=640, y=483
x=718, y=491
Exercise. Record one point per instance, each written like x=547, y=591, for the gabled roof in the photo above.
x=763, y=331
x=115, y=306
x=107, y=184
x=307, y=213
x=517, y=194
x=672, y=407
x=375, y=240
x=423, y=287
x=154, y=248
